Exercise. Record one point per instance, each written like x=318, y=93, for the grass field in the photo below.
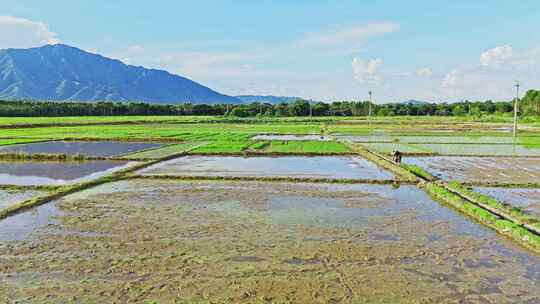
x=308, y=147
x=13, y=141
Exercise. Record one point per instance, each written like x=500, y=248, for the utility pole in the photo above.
x=310, y=110
x=516, y=105
x=369, y=106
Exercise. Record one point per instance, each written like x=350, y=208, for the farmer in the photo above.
x=396, y=157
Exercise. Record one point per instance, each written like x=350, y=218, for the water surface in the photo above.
x=225, y=241
x=524, y=198
x=11, y=197
x=480, y=169
x=56, y=172
x=288, y=166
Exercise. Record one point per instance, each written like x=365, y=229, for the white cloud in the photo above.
x=18, y=32
x=351, y=36
x=424, y=72
x=494, y=76
x=496, y=55
x=367, y=71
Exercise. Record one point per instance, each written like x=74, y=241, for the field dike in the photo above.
x=504, y=218
x=501, y=224
x=501, y=217
x=21, y=156
x=383, y=162
x=47, y=188
x=66, y=190
x=397, y=183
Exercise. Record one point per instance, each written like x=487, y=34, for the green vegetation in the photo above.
x=517, y=232
x=223, y=147
x=307, y=147
x=418, y=171
x=515, y=212
x=14, y=141
x=178, y=132
x=297, y=108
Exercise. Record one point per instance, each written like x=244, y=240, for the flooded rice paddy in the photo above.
x=11, y=197
x=526, y=199
x=87, y=148
x=249, y=242
x=436, y=139
x=480, y=169
x=32, y=173
x=314, y=167
x=457, y=149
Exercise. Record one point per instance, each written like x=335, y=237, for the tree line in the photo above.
x=529, y=106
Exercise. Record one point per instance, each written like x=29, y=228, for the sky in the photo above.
x=431, y=50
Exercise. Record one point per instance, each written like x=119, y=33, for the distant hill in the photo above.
x=60, y=72
x=414, y=102
x=267, y=99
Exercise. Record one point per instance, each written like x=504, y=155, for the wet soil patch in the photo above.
x=245, y=242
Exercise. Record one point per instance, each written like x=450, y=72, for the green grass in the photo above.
x=308, y=147
x=13, y=141
x=518, y=213
x=418, y=171
x=513, y=230
x=222, y=147
x=180, y=132
x=14, y=121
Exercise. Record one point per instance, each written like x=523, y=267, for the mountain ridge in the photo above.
x=65, y=73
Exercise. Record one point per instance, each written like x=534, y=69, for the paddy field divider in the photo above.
x=511, y=222
x=70, y=189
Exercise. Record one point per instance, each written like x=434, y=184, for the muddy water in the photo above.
x=480, y=169
x=291, y=137
x=22, y=225
x=56, y=173
x=98, y=148
x=316, y=167
x=526, y=199
x=11, y=197
x=224, y=242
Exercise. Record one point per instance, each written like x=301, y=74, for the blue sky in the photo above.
x=325, y=50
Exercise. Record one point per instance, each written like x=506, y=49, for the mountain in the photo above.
x=267, y=99
x=414, y=102
x=60, y=72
